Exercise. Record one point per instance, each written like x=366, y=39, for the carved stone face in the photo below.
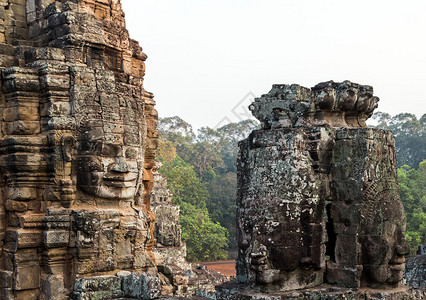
x=108, y=170
x=384, y=244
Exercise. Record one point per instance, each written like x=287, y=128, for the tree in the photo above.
x=221, y=203
x=205, y=239
x=232, y=133
x=172, y=127
x=412, y=185
x=179, y=133
x=184, y=184
x=410, y=136
x=166, y=151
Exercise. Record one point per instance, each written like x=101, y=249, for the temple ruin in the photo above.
x=318, y=200
x=78, y=139
x=77, y=146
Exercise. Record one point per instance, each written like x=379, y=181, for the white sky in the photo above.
x=205, y=56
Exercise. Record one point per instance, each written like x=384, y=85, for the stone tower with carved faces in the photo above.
x=318, y=198
x=77, y=144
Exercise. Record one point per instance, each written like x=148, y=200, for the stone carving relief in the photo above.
x=77, y=146
x=167, y=229
x=318, y=200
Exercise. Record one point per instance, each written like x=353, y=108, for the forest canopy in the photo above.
x=201, y=171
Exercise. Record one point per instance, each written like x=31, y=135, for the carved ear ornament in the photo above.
x=67, y=145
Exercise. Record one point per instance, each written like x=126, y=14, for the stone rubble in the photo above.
x=415, y=271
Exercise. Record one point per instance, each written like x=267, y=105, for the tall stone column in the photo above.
x=367, y=214
x=77, y=145
x=317, y=192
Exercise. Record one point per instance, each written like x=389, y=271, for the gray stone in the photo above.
x=235, y=291
x=98, y=283
x=317, y=197
x=141, y=286
x=415, y=271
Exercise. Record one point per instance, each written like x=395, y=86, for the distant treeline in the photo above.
x=201, y=172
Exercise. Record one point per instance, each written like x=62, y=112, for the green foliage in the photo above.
x=412, y=185
x=183, y=183
x=410, y=136
x=205, y=239
x=221, y=203
x=201, y=173
x=166, y=151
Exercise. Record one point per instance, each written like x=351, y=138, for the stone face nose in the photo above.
x=120, y=165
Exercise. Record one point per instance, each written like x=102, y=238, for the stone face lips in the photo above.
x=317, y=194
x=77, y=145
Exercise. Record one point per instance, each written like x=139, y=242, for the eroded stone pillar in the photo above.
x=367, y=214
x=77, y=145
x=317, y=192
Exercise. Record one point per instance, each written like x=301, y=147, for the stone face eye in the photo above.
x=89, y=164
x=131, y=153
x=109, y=150
x=94, y=166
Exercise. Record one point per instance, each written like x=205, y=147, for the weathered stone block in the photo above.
x=141, y=286
x=99, y=295
x=27, y=295
x=27, y=277
x=53, y=287
x=56, y=238
x=30, y=5
x=22, y=127
x=56, y=109
x=25, y=238
x=6, y=294
x=344, y=276
x=100, y=287
x=21, y=193
x=16, y=206
x=19, y=9
x=415, y=271
x=347, y=250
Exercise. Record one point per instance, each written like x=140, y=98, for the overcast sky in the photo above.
x=207, y=58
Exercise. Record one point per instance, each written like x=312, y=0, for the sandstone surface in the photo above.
x=77, y=145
